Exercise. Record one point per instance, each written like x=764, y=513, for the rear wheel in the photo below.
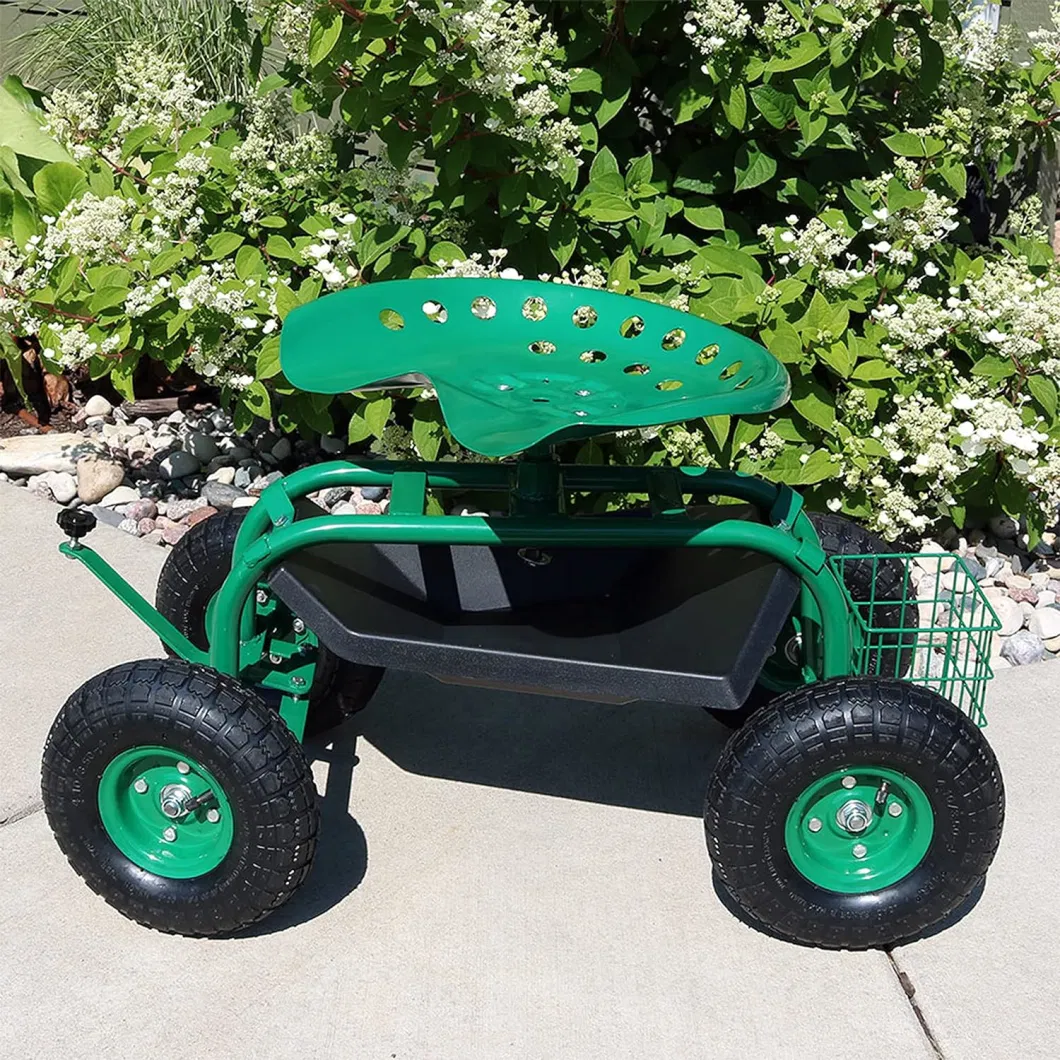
x=193, y=573
x=854, y=813
x=179, y=797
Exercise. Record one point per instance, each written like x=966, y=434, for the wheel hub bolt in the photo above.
x=275, y=659
x=859, y=850
x=815, y=824
x=169, y=834
x=172, y=800
x=854, y=816
x=849, y=782
x=183, y=767
x=140, y=786
x=213, y=816
x=895, y=809
x=261, y=596
x=299, y=626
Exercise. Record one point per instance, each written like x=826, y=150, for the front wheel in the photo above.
x=179, y=797
x=854, y=813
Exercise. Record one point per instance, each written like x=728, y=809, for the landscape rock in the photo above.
x=130, y=526
x=201, y=446
x=97, y=477
x=221, y=494
x=282, y=449
x=1010, y=614
x=1023, y=648
x=224, y=475
x=144, y=508
x=145, y=526
x=36, y=454
x=332, y=445
x=1053, y=645
x=179, y=509
x=377, y=493
x=244, y=502
x=106, y=516
x=1002, y=527
x=173, y=532
x=199, y=515
x=119, y=496
x=178, y=464
x=98, y=405
x=1045, y=623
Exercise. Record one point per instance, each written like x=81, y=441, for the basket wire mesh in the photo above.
x=935, y=628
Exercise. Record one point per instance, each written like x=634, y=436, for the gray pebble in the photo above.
x=373, y=493
x=201, y=446
x=220, y=495
x=1023, y=648
x=178, y=464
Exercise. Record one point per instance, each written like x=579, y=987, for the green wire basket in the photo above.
x=934, y=629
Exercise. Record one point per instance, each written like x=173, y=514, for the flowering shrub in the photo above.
x=796, y=170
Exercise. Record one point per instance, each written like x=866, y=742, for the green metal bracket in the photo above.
x=408, y=494
x=664, y=494
x=278, y=505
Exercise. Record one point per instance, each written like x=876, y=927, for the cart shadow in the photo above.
x=639, y=755
x=947, y=922
x=342, y=851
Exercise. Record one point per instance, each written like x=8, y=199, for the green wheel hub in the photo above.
x=859, y=829
x=144, y=797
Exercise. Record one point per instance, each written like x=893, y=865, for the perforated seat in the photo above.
x=518, y=362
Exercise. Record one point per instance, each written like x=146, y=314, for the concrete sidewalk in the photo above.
x=499, y=876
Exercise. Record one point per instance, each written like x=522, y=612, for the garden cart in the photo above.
x=856, y=802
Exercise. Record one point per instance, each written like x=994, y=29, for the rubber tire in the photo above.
x=225, y=726
x=803, y=735
x=195, y=570
x=842, y=537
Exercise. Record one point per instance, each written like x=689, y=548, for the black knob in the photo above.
x=76, y=522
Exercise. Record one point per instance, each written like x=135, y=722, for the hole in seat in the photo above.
x=535, y=308
x=541, y=401
x=669, y=384
x=674, y=338
x=592, y=356
x=637, y=369
x=391, y=319
x=731, y=370
x=584, y=316
x=708, y=353
x=744, y=383
x=435, y=311
x=542, y=346
x=631, y=327
x=484, y=308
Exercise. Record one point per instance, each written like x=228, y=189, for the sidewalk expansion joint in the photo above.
x=20, y=814
x=910, y=993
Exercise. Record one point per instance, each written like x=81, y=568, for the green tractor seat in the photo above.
x=518, y=362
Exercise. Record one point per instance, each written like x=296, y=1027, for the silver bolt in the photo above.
x=854, y=816
x=298, y=682
x=213, y=816
x=275, y=659
x=859, y=850
x=299, y=626
x=183, y=767
x=261, y=596
x=849, y=782
x=169, y=834
x=815, y=824
x=895, y=809
x=140, y=786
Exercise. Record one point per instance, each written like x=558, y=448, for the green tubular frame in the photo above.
x=536, y=486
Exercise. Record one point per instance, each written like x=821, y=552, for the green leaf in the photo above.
x=359, y=429
x=869, y=371
x=280, y=247
x=993, y=367
x=427, y=429
x=954, y=173
x=57, y=184
x=249, y=262
x=270, y=84
x=734, y=104
x=818, y=468
x=822, y=320
x=719, y=428
x=778, y=108
x=724, y=260
x=606, y=207
x=709, y=218
x=445, y=251
x=837, y=357
x=121, y=378
x=639, y=171
x=23, y=220
x=268, y=363
x=108, y=298
x=20, y=130
x=222, y=244
x=11, y=355
x=783, y=341
x=377, y=411
x=604, y=174
x=424, y=75
x=257, y=399
x=753, y=167
x=1043, y=390
x=220, y=114
x=325, y=28
x=801, y=49
x=562, y=237
x=286, y=300
x=585, y=80
x=815, y=404
x=611, y=104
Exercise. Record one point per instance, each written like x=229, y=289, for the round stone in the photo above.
x=97, y=477
x=178, y=464
x=221, y=495
x=1002, y=527
x=120, y=497
x=63, y=486
x=98, y=405
x=201, y=446
x=373, y=493
x=1045, y=623
x=1023, y=648
x=282, y=449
